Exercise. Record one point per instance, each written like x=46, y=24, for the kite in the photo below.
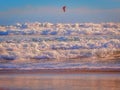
x=64, y=8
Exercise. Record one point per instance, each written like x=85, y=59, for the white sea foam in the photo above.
x=61, y=29
x=60, y=45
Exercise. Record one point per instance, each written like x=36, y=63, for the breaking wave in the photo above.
x=61, y=48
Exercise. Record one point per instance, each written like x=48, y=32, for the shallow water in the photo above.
x=83, y=81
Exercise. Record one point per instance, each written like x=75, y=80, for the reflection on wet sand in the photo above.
x=60, y=82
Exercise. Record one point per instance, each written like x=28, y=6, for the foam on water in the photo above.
x=66, y=46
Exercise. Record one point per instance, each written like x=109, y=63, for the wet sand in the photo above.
x=60, y=79
x=57, y=81
x=64, y=71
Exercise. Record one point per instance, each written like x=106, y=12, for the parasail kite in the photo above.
x=64, y=8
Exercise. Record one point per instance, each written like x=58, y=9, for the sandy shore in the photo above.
x=59, y=71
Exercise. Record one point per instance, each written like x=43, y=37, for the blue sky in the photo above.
x=13, y=11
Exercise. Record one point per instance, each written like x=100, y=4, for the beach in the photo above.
x=59, y=44
x=59, y=71
x=60, y=80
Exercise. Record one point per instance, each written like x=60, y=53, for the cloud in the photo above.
x=30, y=10
x=56, y=14
x=85, y=10
x=55, y=11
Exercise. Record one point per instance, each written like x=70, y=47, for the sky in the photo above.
x=77, y=11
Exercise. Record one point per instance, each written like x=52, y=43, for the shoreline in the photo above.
x=58, y=71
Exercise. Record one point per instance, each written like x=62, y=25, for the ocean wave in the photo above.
x=66, y=46
x=61, y=29
x=58, y=50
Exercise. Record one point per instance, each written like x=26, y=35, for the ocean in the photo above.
x=58, y=52
x=45, y=56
